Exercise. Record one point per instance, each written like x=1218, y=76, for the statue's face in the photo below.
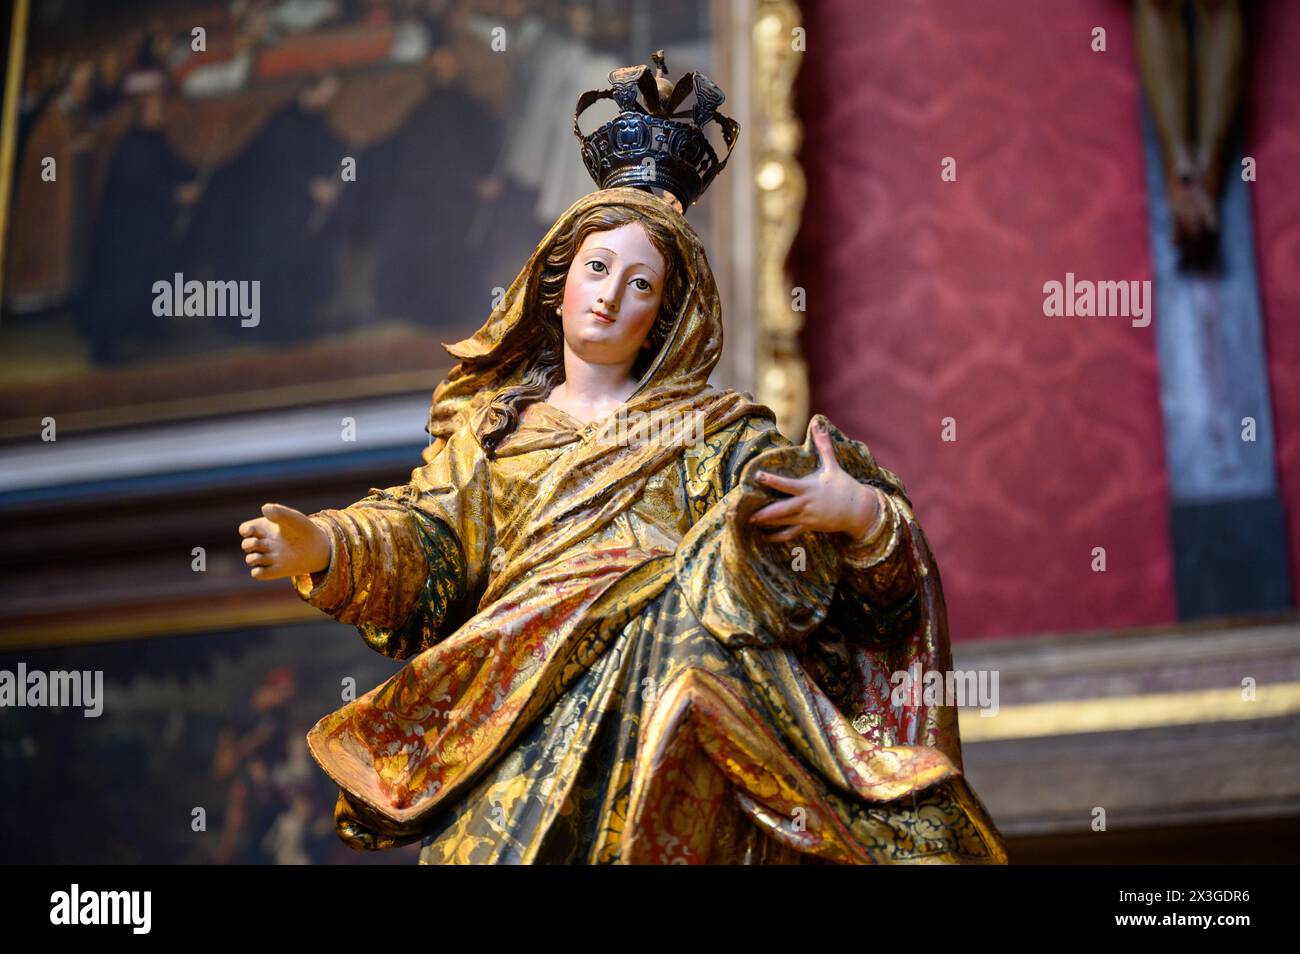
x=612, y=295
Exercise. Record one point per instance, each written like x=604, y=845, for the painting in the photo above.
x=241, y=206
x=190, y=749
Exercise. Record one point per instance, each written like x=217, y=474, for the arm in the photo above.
x=856, y=597
x=882, y=572
x=864, y=521
x=395, y=573
x=399, y=564
x=796, y=527
x=879, y=565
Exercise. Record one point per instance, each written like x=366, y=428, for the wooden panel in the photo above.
x=1203, y=769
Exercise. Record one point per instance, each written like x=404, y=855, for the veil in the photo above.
x=499, y=353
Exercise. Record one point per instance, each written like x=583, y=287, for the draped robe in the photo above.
x=606, y=662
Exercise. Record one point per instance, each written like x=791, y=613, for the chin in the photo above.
x=597, y=350
x=589, y=340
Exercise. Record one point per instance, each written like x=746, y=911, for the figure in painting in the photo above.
x=133, y=238
x=640, y=625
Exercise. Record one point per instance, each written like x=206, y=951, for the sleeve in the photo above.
x=879, y=602
x=854, y=612
x=881, y=568
x=748, y=591
x=407, y=561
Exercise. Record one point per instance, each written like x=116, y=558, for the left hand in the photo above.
x=828, y=500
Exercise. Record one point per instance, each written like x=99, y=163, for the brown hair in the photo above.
x=547, y=368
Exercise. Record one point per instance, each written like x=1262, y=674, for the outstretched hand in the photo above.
x=283, y=542
x=829, y=500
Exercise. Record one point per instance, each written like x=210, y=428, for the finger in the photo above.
x=258, y=559
x=780, y=511
x=255, y=545
x=250, y=528
x=825, y=448
x=788, y=485
x=277, y=513
x=780, y=536
x=794, y=519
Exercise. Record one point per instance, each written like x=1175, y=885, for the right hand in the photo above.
x=283, y=542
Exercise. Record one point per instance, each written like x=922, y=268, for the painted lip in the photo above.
x=602, y=317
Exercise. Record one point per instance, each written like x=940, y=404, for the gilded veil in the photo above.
x=604, y=664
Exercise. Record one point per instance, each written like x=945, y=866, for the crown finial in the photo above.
x=661, y=76
x=648, y=145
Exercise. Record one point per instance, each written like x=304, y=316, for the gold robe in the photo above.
x=606, y=662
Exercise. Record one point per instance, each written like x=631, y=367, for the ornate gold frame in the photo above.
x=9, y=118
x=779, y=180
x=760, y=200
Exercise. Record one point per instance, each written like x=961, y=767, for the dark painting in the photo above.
x=287, y=201
x=197, y=755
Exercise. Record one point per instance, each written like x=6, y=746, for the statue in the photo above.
x=1195, y=91
x=641, y=625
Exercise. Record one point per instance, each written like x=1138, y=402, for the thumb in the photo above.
x=825, y=448
x=278, y=513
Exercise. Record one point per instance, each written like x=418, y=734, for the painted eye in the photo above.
x=642, y=284
x=597, y=264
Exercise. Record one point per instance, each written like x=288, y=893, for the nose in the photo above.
x=611, y=293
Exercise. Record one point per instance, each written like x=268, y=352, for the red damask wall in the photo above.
x=1273, y=138
x=925, y=297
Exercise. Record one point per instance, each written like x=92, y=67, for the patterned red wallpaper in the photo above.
x=1273, y=139
x=925, y=297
